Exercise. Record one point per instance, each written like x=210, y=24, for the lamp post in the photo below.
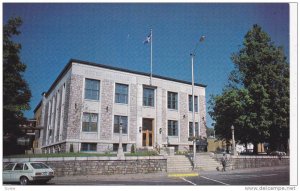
x=193, y=100
x=233, y=141
x=120, y=154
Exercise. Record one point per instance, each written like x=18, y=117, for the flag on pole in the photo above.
x=148, y=39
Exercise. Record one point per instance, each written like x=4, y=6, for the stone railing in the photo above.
x=64, y=166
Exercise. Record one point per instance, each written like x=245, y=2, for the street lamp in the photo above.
x=193, y=100
x=233, y=141
x=120, y=154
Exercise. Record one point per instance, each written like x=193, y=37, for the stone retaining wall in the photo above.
x=259, y=161
x=64, y=166
x=238, y=162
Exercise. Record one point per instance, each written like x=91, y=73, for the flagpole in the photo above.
x=151, y=37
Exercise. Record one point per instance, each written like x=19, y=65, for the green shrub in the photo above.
x=132, y=148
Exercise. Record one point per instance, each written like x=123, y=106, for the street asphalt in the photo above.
x=251, y=176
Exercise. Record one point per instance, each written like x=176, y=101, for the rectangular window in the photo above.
x=89, y=122
x=25, y=167
x=191, y=129
x=92, y=88
x=116, y=147
x=172, y=100
x=19, y=166
x=172, y=128
x=117, y=122
x=148, y=97
x=87, y=147
x=121, y=94
x=9, y=166
x=195, y=103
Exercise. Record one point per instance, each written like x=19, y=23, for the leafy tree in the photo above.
x=16, y=93
x=230, y=108
x=262, y=71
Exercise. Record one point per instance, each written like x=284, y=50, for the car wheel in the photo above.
x=24, y=180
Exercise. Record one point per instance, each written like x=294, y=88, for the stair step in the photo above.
x=179, y=163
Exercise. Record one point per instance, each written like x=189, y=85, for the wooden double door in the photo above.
x=147, y=132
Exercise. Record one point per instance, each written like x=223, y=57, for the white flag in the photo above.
x=148, y=39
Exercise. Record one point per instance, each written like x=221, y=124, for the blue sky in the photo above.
x=113, y=34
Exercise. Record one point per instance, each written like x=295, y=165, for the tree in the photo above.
x=230, y=108
x=16, y=93
x=262, y=70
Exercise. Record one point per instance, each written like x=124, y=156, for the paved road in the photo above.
x=260, y=176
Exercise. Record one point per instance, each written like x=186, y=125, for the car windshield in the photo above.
x=39, y=165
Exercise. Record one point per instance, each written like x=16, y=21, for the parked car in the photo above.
x=27, y=172
x=278, y=153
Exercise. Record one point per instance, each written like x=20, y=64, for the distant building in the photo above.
x=86, y=104
x=31, y=134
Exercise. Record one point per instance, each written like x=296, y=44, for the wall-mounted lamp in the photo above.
x=75, y=105
x=140, y=129
x=183, y=116
x=106, y=108
x=160, y=130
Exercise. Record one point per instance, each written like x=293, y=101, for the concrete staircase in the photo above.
x=179, y=163
x=205, y=162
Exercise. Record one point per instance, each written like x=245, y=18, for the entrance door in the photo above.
x=147, y=132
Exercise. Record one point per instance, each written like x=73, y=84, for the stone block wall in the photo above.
x=107, y=95
x=202, y=107
x=75, y=107
x=65, y=110
x=133, y=113
x=184, y=122
x=258, y=161
x=164, y=116
x=66, y=166
x=239, y=162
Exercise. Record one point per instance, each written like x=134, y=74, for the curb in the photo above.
x=183, y=174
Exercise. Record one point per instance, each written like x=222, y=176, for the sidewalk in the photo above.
x=244, y=170
x=152, y=176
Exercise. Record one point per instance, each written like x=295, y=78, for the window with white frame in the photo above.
x=172, y=100
x=92, y=89
x=88, y=147
x=148, y=97
x=191, y=103
x=191, y=129
x=172, y=128
x=89, y=122
x=118, y=119
x=121, y=93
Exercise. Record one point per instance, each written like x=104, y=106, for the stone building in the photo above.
x=88, y=102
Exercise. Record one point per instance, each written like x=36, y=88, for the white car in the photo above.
x=26, y=172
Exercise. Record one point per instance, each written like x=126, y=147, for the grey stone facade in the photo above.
x=107, y=109
x=164, y=116
x=202, y=113
x=133, y=112
x=183, y=110
x=75, y=107
x=65, y=103
x=66, y=109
